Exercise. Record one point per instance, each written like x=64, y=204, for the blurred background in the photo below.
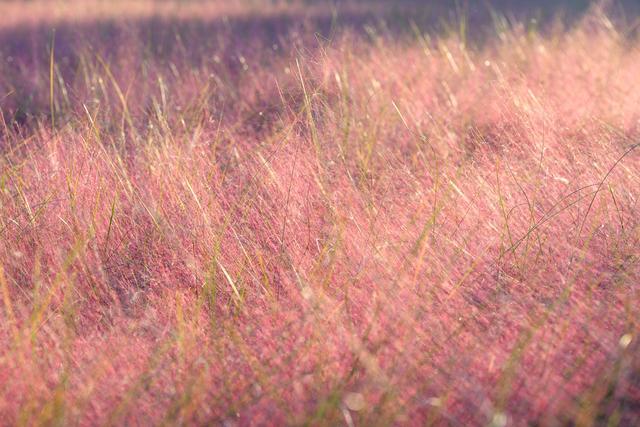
x=140, y=35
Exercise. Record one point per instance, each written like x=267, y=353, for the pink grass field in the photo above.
x=289, y=213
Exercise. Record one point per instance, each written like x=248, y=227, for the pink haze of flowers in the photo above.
x=268, y=214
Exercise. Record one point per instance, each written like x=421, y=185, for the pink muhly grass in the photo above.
x=371, y=229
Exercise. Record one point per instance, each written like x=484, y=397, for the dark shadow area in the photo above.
x=226, y=42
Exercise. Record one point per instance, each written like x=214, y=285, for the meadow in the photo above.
x=308, y=213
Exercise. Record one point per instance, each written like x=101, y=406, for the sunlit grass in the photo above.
x=436, y=226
